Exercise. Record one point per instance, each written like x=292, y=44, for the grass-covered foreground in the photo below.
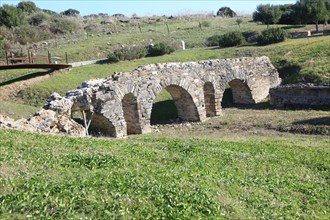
x=59, y=177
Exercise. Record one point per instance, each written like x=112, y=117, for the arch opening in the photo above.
x=163, y=109
x=98, y=125
x=237, y=92
x=209, y=99
x=184, y=107
x=131, y=114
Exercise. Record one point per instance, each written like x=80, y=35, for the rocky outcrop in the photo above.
x=307, y=94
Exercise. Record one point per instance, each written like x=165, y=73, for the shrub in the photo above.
x=127, y=54
x=272, y=35
x=63, y=26
x=28, y=7
x=250, y=36
x=70, y=12
x=29, y=34
x=37, y=19
x=10, y=16
x=231, y=39
x=206, y=23
x=160, y=49
x=213, y=41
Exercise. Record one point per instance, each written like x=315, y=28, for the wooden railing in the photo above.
x=31, y=59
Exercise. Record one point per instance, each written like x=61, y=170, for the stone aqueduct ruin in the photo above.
x=122, y=104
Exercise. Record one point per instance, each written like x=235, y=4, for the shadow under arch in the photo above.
x=209, y=99
x=101, y=126
x=184, y=103
x=131, y=114
x=238, y=93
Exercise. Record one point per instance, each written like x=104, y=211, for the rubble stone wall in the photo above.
x=300, y=95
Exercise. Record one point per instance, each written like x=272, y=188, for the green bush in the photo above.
x=231, y=39
x=127, y=53
x=271, y=35
x=28, y=34
x=206, y=23
x=10, y=16
x=64, y=26
x=213, y=41
x=251, y=36
x=160, y=49
x=37, y=19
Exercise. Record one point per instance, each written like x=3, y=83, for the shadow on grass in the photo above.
x=163, y=112
x=25, y=77
x=314, y=121
x=105, y=61
x=292, y=26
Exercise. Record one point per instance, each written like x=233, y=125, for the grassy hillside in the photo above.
x=58, y=177
x=97, y=44
x=303, y=60
x=17, y=111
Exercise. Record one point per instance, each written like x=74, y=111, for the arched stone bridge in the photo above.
x=122, y=104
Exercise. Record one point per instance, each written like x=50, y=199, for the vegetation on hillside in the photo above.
x=303, y=12
x=26, y=23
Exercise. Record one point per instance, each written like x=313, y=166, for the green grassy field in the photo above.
x=250, y=163
x=17, y=111
x=57, y=177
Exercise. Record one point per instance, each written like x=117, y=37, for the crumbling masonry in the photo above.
x=121, y=105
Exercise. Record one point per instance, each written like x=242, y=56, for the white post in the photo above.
x=183, y=45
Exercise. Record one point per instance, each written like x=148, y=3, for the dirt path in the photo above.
x=9, y=92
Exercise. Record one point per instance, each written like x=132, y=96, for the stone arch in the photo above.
x=101, y=126
x=241, y=92
x=185, y=105
x=209, y=99
x=131, y=114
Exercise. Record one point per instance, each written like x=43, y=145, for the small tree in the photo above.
x=267, y=14
x=28, y=7
x=37, y=19
x=239, y=21
x=70, y=12
x=231, y=39
x=10, y=16
x=271, y=35
x=314, y=11
x=226, y=12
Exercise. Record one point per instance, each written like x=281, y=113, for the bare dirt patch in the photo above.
x=241, y=123
x=9, y=92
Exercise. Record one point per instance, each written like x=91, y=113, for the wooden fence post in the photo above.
x=29, y=56
x=7, y=57
x=49, y=57
x=66, y=57
x=140, y=27
x=168, y=30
